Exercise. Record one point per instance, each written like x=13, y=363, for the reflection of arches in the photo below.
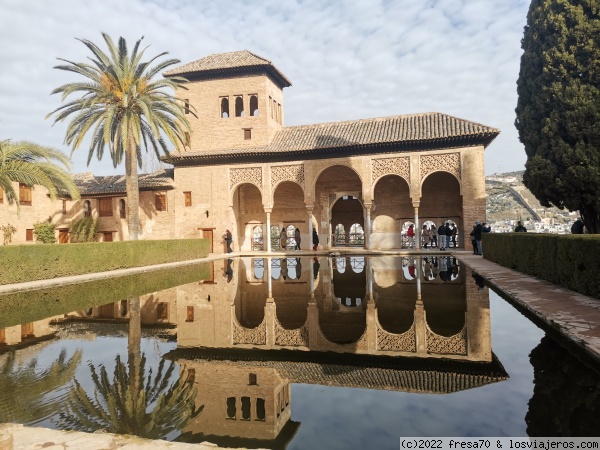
x=391, y=205
x=447, y=317
x=396, y=307
x=258, y=265
x=224, y=108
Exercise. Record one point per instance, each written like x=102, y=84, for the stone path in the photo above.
x=574, y=316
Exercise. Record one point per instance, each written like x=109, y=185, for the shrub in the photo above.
x=84, y=230
x=44, y=232
x=8, y=231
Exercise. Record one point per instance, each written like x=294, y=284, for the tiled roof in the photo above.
x=396, y=133
x=418, y=375
x=90, y=184
x=234, y=62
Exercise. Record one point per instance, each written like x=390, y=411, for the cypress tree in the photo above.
x=558, y=108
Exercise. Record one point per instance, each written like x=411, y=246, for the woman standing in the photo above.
x=426, y=236
x=315, y=239
x=283, y=239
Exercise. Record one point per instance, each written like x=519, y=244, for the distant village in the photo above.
x=509, y=201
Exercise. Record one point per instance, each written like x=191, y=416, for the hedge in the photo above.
x=29, y=306
x=23, y=263
x=570, y=261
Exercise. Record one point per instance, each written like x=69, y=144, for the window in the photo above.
x=64, y=206
x=254, y=105
x=162, y=311
x=279, y=113
x=271, y=106
x=191, y=376
x=188, y=198
x=190, y=314
x=260, y=409
x=231, y=409
x=252, y=379
x=160, y=202
x=24, y=194
x=108, y=236
x=274, y=111
x=87, y=209
x=247, y=134
x=186, y=105
x=239, y=107
x=1, y=196
x=224, y=107
x=245, y=408
x=29, y=234
x=105, y=207
x=122, y=209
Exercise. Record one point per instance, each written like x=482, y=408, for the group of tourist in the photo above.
x=478, y=229
x=440, y=237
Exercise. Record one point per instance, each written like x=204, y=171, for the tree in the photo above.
x=31, y=164
x=558, y=109
x=123, y=110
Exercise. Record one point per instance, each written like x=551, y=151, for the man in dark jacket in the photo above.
x=577, y=227
x=442, y=236
x=520, y=228
x=477, y=232
x=448, y=235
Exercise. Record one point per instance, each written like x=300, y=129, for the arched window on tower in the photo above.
x=87, y=209
x=254, y=105
x=122, y=209
x=224, y=107
x=239, y=107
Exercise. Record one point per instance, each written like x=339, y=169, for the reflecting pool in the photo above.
x=339, y=352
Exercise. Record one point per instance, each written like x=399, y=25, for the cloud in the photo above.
x=346, y=60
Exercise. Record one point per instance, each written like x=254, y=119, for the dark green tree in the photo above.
x=558, y=110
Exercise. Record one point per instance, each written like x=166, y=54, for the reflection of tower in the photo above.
x=241, y=403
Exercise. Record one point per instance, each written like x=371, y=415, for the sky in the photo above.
x=346, y=60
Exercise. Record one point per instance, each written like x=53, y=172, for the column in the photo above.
x=310, y=227
x=420, y=327
x=368, y=227
x=269, y=278
x=417, y=228
x=268, y=230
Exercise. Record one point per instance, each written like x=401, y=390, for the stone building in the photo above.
x=358, y=183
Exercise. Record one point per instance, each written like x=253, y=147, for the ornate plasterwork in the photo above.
x=294, y=172
x=441, y=345
x=447, y=162
x=256, y=336
x=405, y=342
x=395, y=166
x=245, y=175
x=291, y=338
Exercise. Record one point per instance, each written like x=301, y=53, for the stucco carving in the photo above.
x=293, y=172
x=387, y=166
x=405, y=342
x=256, y=336
x=291, y=338
x=448, y=162
x=441, y=345
x=245, y=175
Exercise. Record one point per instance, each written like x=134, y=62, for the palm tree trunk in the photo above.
x=134, y=343
x=133, y=192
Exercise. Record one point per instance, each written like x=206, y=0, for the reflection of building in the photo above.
x=357, y=182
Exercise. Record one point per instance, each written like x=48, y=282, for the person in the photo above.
x=448, y=235
x=453, y=235
x=473, y=241
x=229, y=270
x=442, y=236
x=316, y=267
x=298, y=268
x=297, y=238
x=434, y=235
x=411, y=235
x=284, y=269
x=412, y=268
x=228, y=240
x=426, y=236
x=486, y=229
x=315, y=239
x=477, y=231
x=520, y=228
x=283, y=239
x=577, y=227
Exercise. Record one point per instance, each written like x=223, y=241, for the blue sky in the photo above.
x=346, y=59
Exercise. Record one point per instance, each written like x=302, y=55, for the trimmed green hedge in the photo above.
x=21, y=263
x=570, y=261
x=44, y=303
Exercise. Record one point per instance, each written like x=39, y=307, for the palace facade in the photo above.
x=358, y=182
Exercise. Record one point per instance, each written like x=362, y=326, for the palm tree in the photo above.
x=25, y=387
x=31, y=164
x=123, y=109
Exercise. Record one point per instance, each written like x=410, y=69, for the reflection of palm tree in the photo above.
x=23, y=396
x=127, y=405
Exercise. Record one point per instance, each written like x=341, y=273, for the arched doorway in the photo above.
x=348, y=219
x=249, y=212
x=337, y=193
x=289, y=213
x=441, y=201
x=392, y=207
